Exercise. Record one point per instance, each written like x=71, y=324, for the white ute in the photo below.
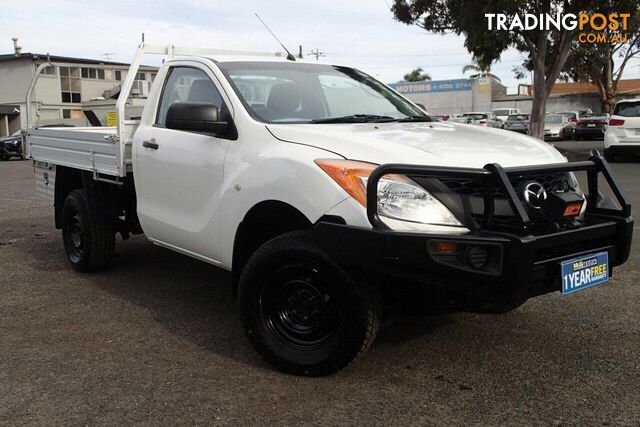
x=319, y=188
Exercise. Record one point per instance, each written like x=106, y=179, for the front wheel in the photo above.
x=4, y=157
x=88, y=239
x=301, y=311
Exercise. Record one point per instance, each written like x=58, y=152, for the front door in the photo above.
x=179, y=173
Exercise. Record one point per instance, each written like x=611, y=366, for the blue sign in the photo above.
x=580, y=273
x=458, y=85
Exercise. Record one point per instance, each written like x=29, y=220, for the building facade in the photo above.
x=452, y=96
x=63, y=92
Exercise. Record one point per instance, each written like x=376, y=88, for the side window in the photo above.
x=185, y=84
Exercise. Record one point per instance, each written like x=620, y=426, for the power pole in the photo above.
x=317, y=54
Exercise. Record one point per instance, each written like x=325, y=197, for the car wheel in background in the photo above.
x=609, y=156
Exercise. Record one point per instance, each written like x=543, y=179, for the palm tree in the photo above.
x=416, y=75
x=480, y=69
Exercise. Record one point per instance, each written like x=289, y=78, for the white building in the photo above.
x=65, y=93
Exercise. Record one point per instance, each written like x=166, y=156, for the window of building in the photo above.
x=71, y=114
x=49, y=71
x=141, y=76
x=153, y=76
x=92, y=73
x=118, y=75
x=70, y=84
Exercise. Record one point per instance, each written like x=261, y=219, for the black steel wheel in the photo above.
x=89, y=240
x=301, y=311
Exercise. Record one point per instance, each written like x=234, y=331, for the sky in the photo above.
x=359, y=33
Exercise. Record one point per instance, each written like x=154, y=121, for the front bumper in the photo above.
x=521, y=265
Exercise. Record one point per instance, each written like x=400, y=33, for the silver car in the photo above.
x=558, y=127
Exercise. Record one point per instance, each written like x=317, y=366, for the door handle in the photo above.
x=150, y=144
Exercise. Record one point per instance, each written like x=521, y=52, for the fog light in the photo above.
x=446, y=247
x=477, y=256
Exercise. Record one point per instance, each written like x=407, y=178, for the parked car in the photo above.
x=463, y=120
x=557, y=127
x=518, y=123
x=11, y=146
x=503, y=113
x=623, y=130
x=316, y=204
x=485, y=119
x=590, y=126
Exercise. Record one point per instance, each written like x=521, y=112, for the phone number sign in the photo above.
x=458, y=85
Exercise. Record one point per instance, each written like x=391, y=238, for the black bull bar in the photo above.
x=495, y=177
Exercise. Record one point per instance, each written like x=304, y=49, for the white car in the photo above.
x=623, y=130
x=319, y=187
x=503, y=113
x=486, y=119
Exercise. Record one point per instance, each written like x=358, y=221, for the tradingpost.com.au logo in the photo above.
x=593, y=28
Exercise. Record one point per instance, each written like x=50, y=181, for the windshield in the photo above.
x=627, y=109
x=553, y=119
x=501, y=112
x=517, y=118
x=302, y=93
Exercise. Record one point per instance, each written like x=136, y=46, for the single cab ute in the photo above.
x=317, y=186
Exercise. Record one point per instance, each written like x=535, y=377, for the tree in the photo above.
x=547, y=50
x=604, y=63
x=416, y=75
x=479, y=69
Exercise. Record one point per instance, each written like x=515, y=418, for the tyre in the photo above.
x=4, y=157
x=609, y=156
x=88, y=241
x=301, y=311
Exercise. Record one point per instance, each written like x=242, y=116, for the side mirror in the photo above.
x=421, y=106
x=195, y=117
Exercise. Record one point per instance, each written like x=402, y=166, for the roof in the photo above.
x=57, y=58
x=629, y=86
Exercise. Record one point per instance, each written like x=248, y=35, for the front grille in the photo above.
x=474, y=191
x=475, y=187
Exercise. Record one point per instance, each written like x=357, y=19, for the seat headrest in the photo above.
x=203, y=90
x=284, y=98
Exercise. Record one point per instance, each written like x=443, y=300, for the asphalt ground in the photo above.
x=156, y=340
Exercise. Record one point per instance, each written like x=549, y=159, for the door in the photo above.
x=179, y=173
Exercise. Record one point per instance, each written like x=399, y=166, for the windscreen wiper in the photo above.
x=355, y=118
x=416, y=119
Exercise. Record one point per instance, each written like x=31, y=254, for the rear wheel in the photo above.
x=88, y=240
x=301, y=311
x=5, y=157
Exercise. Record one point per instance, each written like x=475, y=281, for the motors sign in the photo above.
x=407, y=88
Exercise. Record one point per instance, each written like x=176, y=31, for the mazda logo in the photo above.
x=534, y=195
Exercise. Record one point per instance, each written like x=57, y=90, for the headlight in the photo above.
x=398, y=196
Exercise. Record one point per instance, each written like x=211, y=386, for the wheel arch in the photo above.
x=264, y=221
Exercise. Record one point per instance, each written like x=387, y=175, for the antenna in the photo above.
x=290, y=57
x=317, y=54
